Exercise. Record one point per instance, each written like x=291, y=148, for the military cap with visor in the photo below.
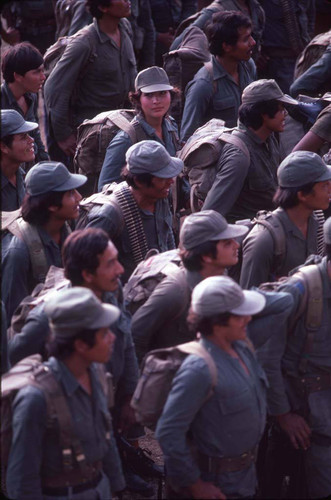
x=151, y=157
x=302, y=167
x=153, y=79
x=265, y=90
x=13, y=123
x=47, y=176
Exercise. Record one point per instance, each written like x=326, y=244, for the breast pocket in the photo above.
x=236, y=403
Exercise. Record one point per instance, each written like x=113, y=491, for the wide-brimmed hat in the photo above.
x=302, y=167
x=13, y=123
x=207, y=225
x=47, y=176
x=74, y=309
x=265, y=90
x=152, y=79
x=151, y=157
x=220, y=294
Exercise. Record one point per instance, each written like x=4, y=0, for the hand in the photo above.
x=127, y=417
x=166, y=38
x=296, y=428
x=68, y=146
x=204, y=490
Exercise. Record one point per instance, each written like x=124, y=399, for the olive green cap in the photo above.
x=265, y=90
x=302, y=167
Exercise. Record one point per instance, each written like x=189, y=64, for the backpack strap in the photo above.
x=235, y=141
x=312, y=306
x=29, y=234
x=209, y=67
x=277, y=231
x=123, y=124
x=198, y=349
x=133, y=222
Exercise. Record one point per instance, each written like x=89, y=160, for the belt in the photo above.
x=67, y=490
x=313, y=383
x=219, y=465
x=75, y=477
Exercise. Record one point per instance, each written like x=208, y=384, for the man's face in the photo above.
x=117, y=8
x=159, y=188
x=226, y=254
x=319, y=197
x=21, y=149
x=32, y=81
x=106, y=276
x=69, y=208
x=103, y=347
x=277, y=123
x=242, y=50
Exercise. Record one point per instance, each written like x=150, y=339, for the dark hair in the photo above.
x=93, y=7
x=63, y=348
x=19, y=59
x=35, y=208
x=81, y=251
x=204, y=325
x=8, y=140
x=134, y=97
x=328, y=252
x=224, y=28
x=192, y=259
x=288, y=197
x=251, y=114
x=130, y=178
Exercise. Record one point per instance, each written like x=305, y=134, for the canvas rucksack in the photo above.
x=93, y=138
x=158, y=370
x=183, y=63
x=312, y=53
x=201, y=154
x=147, y=275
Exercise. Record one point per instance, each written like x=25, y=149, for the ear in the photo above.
x=226, y=47
x=53, y=208
x=80, y=346
x=302, y=197
x=18, y=78
x=87, y=276
x=207, y=259
x=3, y=148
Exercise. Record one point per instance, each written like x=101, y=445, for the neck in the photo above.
x=144, y=202
x=263, y=133
x=230, y=65
x=9, y=168
x=219, y=338
x=299, y=215
x=155, y=123
x=96, y=291
x=208, y=271
x=108, y=24
x=53, y=228
x=16, y=90
x=77, y=365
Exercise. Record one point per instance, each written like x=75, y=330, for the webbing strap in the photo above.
x=198, y=349
x=235, y=141
x=133, y=222
x=29, y=234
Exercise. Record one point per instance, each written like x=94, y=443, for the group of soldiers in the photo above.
x=246, y=232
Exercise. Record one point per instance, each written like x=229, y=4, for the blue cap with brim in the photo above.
x=302, y=167
x=151, y=157
x=13, y=123
x=47, y=176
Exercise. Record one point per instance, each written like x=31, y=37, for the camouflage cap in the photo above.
x=74, y=309
x=302, y=167
x=264, y=90
x=220, y=294
x=327, y=231
x=13, y=123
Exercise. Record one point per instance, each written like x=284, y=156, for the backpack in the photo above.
x=31, y=371
x=200, y=155
x=147, y=275
x=54, y=280
x=159, y=367
x=93, y=138
x=183, y=63
x=312, y=53
x=13, y=222
x=54, y=53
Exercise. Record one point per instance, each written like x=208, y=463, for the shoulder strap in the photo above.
x=133, y=222
x=277, y=232
x=29, y=234
x=228, y=137
x=123, y=124
x=196, y=348
x=209, y=67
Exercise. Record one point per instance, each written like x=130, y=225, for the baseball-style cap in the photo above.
x=264, y=90
x=220, y=294
x=302, y=167
x=13, y=123
x=207, y=225
x=327, y=231
x=152, y=79
x=47, y=176
x=151, y=157
x=73, y=309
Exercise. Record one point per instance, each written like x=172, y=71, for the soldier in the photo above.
x=17, y=147
x=225, y=429
x=215, y=92
x=298, y=366
x=245, y=185
x=208, y=247
x=105, y=50
x=33, y=242
x=23, y=71
x=304, y=186
x=81, y=338
x=149, y=175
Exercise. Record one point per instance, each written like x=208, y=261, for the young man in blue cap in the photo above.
x=149, y=175
x=17, y=147
x=33, y=242
x=81, y=339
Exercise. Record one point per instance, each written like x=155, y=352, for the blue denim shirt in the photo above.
x=36, y=453
x=202, y=102
x=115, y=155
x=229, y=423
x=12, y=196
